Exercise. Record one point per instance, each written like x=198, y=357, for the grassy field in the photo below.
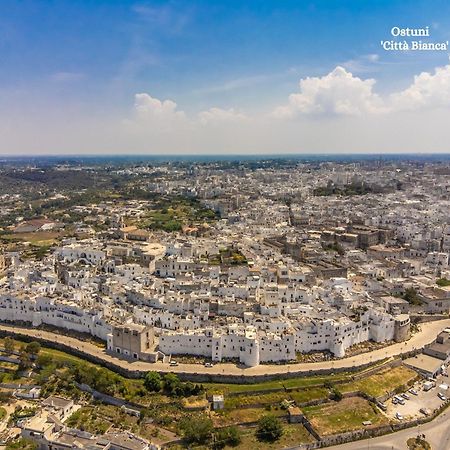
x=245, y=415
x=306, y=395
x=276, y=398
x=291, y=383
x=346, y=415
x=2, y=413
x=381, y=382
x=39, y=238
x=293, y=434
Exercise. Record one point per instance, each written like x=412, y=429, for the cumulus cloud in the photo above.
x=148, y=107
x=154, y=115
x=219, y=115
x=426, y=92
x=338, y=93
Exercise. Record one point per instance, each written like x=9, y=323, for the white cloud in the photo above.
x=219, y=115
x=152, y=115
x=338, y=93
x=147, y=106
x=428, y=91
x=363, y=63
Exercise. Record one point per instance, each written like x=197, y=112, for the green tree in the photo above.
x=197, y=430
x=44, y=360
x=269, y=429
x=33, y=348
x=336, y=395
x=153, y=381
x=230, y=436
x=171, y=383
x=411, y=296
x=24, y=360
x=8, y=344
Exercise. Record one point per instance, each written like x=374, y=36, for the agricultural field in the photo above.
x=381, y=382
x=343, y=416
x=293, y=434
x=243, y=415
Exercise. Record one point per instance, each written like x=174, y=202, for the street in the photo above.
x=418, y=340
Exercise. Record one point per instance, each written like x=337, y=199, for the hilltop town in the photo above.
x=250, y=264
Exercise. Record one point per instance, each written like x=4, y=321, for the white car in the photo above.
x=173, y=363
x=413, y=391
x=398, y=416
x=442, y=396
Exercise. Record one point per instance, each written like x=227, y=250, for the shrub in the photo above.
x=197, y=430
x=269, y=429
x=230, y=436
x=336, y=395
x=153, y=381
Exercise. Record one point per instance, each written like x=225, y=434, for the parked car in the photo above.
x=442, y=396
x=405, y=396
x=398, y=416
x=413, y=391
x=208, y=364
x=399, y=399
x=382, y=406
x=394, y=401
x=425, y=411
x=173, y=363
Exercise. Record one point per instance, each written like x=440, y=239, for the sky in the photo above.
x=221, y=77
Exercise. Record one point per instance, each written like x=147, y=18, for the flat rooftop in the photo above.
x=424, y=363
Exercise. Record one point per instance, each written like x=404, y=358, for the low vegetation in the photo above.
x=343, y=416
x=418, y=443
x=443, y=282
x=381, y=382
x=163, y=401
x=269, y=429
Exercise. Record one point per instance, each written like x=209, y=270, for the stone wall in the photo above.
x=187, y=376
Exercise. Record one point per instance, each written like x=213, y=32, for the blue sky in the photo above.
x=73, y=67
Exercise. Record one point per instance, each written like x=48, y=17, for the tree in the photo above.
x=269, y=429
x=24, y=360
x=8, y=344
x=336, y=395
x=171, y=383
x=197, y=430
x=33, y=348
x=411, y=296
x=230, y=436
x=44, y=360
x=153, y=381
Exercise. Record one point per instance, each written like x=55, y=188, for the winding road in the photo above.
x=437, y=434
x=425, y=336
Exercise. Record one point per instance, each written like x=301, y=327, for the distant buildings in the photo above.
x=283, y=271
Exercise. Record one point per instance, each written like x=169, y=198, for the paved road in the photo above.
x=425, y=336
x=437, y=433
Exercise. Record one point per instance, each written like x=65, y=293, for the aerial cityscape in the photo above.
x=224, y=225
x=201, y=298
